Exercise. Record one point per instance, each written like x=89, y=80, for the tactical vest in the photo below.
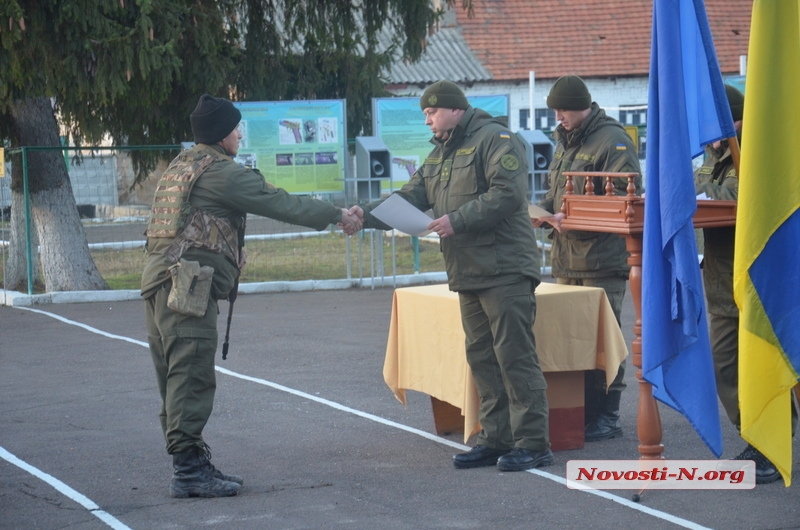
x=172, y=216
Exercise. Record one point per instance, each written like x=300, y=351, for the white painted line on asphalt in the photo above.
x=81, y=499
x=444, y=441
x=84, y=326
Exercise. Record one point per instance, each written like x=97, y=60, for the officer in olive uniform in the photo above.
x=196, y=227
x=717, y=179
x=475, y=180
x=588, y=140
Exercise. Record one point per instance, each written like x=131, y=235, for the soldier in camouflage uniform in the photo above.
x=475, y=180
x=196, y=227
x=588, y=140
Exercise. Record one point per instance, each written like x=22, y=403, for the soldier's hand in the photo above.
x=553, y=220
x=350, y=223
x=358, y=212
x=442, y=226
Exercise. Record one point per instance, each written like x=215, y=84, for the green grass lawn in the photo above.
x=313, y=258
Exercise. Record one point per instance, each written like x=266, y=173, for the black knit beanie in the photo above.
x=569, y=93
x=445, y=95
x=213, y=119
x=736, y=101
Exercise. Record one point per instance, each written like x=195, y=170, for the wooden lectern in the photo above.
x=624, y=215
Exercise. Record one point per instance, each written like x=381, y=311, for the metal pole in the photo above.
x=415, y=245
x=28, y=245
x=531, y=108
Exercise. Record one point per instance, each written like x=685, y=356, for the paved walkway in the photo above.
x=303, y=414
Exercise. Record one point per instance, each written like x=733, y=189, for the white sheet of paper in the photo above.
x=703, y=197
x=400, y=214
x=536, y=212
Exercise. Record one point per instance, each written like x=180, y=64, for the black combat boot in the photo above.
x=194, y=477
x=205, y=459
x=606, y=423
x=766, y=472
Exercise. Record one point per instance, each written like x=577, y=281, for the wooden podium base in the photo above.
x=566, y=416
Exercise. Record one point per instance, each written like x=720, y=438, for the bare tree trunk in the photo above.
x=15, y=274
x=67, y=264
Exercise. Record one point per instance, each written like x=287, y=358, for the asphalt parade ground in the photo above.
x=303, y=413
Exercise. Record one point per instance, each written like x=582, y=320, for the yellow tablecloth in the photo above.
x=575, y=329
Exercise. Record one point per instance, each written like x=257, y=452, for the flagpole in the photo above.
x=733, y=144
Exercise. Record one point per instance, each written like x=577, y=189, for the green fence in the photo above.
x=114, y=210
x=114, y=213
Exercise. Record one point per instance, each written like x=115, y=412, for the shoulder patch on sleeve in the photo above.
x=509, y=162
x=621, y=147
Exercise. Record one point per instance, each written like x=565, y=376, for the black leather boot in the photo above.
x=766, y=472
x=194, y=477
x=606, y=423
x=205, y=459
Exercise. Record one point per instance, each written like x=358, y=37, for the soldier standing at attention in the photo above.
x=588, y=140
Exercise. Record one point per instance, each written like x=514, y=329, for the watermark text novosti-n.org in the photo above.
x=661, y=474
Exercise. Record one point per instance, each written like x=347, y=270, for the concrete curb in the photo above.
x=18, y=299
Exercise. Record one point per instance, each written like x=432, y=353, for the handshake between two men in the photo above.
x=353, y=221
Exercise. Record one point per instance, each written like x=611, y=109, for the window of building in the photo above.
x=545, y=119
x=633, y=115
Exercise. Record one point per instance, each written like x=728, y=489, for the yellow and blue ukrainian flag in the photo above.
x=767, y=251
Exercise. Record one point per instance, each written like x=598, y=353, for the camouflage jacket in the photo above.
x=228, y=191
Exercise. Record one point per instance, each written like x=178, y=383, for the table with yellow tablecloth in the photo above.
x=575, y=330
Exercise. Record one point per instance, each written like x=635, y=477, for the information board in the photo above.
x=297, y=145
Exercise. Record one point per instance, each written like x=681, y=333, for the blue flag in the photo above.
x=687, y=109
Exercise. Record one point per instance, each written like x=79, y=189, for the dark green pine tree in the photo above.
x=132, y=70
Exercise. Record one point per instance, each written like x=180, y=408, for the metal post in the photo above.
x=531, y=83
x=28, y=244
x=415, y=245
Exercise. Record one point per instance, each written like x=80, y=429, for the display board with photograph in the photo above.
x=297, y=145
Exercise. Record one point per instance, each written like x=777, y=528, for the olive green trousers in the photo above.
x=182, y=348
x=501, y=351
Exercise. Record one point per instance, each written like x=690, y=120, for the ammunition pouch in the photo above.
x=191, y=288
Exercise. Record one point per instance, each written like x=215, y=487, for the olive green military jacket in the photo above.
x=230, y=191
x=479, y=178
x=599, y=144
x=718, y=180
